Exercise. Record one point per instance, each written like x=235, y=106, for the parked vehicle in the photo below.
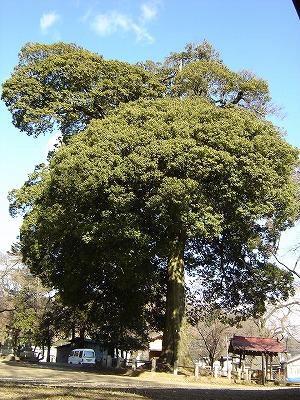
x=82, y=356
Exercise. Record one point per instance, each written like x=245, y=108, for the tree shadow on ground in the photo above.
x=35, y=392
x=219, y=394
x=156, y=390
x=77, y=367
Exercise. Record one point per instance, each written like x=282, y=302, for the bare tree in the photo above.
x=7, y=265
x=23, y=300
x=282, y=320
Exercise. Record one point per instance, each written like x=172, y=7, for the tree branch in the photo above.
x=7, y=309
x=286, y=267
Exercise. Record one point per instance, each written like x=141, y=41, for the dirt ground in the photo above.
x=20, y=381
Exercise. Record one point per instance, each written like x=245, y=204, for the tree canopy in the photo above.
x=64, y=86
x=183, y=174
x=199, y=71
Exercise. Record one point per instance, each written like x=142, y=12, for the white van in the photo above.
x=82, y=356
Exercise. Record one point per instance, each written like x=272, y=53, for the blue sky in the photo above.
x=258, y=35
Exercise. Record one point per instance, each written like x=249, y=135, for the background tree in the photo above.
x=26, y=300
x=7, y=266
x=211, y=332
x=211, y=329
x=32, y=310
x=180, y=181
x=282, y=321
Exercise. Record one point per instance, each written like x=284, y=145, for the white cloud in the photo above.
x=149, y=11
x=87, y=15
x=108, y=23
x=113, y=21
x=142, y=33
x=48, y=20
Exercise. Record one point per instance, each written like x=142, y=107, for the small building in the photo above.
x=64, y=350
x=293, y=370
x=155, y=346
x=154, y=350
x=266, y=348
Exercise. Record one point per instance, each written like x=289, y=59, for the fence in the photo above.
x=197, y=370
x=151, y=365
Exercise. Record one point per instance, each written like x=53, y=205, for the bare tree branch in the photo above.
x=292, y=270
x=6, y=309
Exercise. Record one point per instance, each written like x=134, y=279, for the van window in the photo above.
x=89, y=354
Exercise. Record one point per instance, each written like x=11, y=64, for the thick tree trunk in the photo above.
x=49, y=343
x=175, y=302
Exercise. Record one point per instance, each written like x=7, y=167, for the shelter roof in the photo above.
x=255, y=345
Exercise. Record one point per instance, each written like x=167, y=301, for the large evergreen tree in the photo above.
x=165, y=179
x=197, y=181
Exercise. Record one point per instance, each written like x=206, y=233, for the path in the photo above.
x=156, y=386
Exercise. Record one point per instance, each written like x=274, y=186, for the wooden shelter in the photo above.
x=266, y=348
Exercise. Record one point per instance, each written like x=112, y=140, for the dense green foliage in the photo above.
x=121, y=193
x=196, y=181
x=64, y=86
x=199, y=71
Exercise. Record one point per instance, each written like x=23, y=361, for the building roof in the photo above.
x=255, y=345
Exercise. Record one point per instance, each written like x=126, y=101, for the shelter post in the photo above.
x=263, y=368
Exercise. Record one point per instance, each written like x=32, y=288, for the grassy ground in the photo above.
x=58, y=382
x=29, y=392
